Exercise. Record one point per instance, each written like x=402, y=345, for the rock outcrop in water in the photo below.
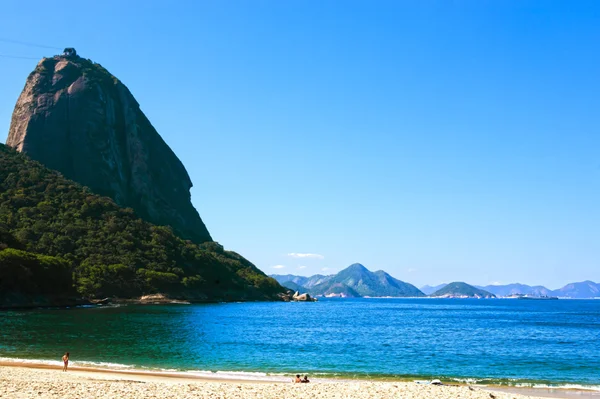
x=77, y=118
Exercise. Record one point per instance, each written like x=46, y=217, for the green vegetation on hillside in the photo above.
x=363, y=282
x=342, y=290
x=354, y=281
x=460, y=289
x=49, y=224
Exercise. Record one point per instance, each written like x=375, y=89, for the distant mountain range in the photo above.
x=583, y=290
x=354, y=281
x=515, y=289
x=357, y=281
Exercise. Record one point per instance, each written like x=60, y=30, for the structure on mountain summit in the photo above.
x=69, y=52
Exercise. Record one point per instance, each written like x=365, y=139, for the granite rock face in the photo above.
x=77, y=118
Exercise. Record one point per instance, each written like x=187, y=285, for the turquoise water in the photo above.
x=490, y=341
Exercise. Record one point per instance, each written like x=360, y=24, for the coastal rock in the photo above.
x=302, y=297
x=158, y=299
x=75, y=117
x=104, y=301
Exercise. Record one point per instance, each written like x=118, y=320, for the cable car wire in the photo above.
x=18, y=57
x=28, y=44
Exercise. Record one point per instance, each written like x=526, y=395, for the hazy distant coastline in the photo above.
x=357, y=281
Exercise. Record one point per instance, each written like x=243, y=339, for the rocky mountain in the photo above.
x=355, y=281
x=582, y=290
x=428, y=289
x=515, y=289
x=461, y=290
x=60, y=243
x=76, y=117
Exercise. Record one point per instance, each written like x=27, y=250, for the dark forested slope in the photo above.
x=107, y=250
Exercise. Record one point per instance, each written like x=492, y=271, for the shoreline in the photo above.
x=181, y=377
x=140, y=375
x=51, y=383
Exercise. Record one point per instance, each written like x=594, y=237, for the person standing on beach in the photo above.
x=65, y=359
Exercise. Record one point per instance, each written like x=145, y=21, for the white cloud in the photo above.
x=298, y=255
x=411, y=270
x=278, y=267
x=325, y=269
x=496, y=283
x=301, y=267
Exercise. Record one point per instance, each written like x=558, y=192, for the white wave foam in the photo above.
x=103, y=365
x=513, y=382
x=31, y=361
x=558, y=386
x=238, y=375
x=79, y=363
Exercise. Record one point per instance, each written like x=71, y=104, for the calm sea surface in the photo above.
x=491, y=341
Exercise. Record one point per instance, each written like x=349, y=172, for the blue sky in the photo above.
x=437, y=140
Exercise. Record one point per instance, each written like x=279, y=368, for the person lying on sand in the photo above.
x=65, y=360
x=305, y=380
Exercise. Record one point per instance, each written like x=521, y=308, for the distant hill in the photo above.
x=354, y=281
x=358, y=281
x=316, y=280
x=341, y=290
x=284, y=278
x=461, y=290
x=428, y=289
x=516, y=288
x=367, y=283
x=306, y=282
x=582, y=290
x=293, y=286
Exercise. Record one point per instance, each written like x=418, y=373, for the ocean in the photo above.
x=493, y=341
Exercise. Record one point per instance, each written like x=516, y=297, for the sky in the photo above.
x=437, y=140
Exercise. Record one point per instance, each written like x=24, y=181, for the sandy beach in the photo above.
x=21, y=381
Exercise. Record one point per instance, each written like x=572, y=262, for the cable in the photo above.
x=18, y=57
x=28, y=44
